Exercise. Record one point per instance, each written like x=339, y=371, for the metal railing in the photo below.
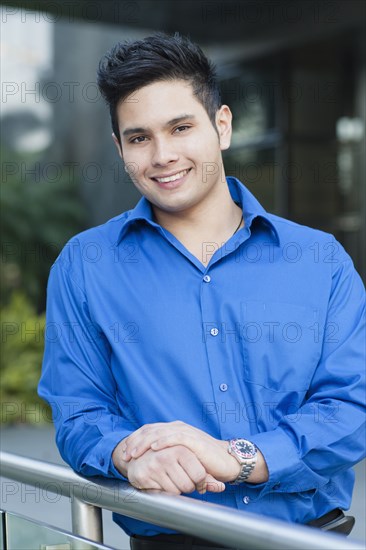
x=209, y=521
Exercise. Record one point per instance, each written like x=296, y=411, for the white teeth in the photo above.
x=172, y=178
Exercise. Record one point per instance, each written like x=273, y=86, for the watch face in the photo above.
x=243, y=448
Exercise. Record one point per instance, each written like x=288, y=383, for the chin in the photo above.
x=177, y=205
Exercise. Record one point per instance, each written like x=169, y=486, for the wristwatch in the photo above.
x=245, y=453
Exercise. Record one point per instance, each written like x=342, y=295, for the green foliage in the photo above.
x=20, y=362
x=38, y=216
x=37, y=219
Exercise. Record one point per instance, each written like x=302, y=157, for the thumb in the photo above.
x=210, y=484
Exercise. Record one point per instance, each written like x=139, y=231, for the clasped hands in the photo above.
x=176, y=458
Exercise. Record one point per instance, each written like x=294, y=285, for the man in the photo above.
x=208, y=347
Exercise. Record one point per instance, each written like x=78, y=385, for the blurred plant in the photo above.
x=20, y=362
x=37, y=219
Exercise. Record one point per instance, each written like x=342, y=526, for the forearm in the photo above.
x=305, y=455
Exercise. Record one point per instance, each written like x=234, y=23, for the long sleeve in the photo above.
x=265, y=342
x=326, y=435
x=77, y=380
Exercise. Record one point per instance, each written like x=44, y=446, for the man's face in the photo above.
x=170, y=147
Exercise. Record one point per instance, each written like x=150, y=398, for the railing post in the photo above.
x=86, y=520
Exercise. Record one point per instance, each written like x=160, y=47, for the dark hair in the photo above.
x=129, y=66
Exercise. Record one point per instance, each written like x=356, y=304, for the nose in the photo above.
x=163, y=153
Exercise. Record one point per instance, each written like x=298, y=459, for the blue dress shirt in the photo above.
x=266, y=342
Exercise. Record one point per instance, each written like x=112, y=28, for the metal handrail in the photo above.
x=209, y=521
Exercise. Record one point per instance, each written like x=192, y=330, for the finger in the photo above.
x=182, y=468
x=191, y=465
x=170, y=484
x=152, y=479
x=212, y=485
x=195, y=470
x=140, y=441
x=161, y=471
x=174, y=480
x=192, y=443
x=145, y=485
x=181, y=480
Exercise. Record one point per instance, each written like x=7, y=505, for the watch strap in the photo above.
x=245, y=471
x=247, y=465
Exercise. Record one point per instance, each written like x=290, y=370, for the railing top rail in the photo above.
x=213, y=522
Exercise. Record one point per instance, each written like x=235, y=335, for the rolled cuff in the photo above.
x=287, y=471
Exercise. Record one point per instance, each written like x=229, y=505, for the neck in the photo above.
x=213, y=221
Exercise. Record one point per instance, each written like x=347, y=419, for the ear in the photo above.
x=118, y=145
x=224, y=128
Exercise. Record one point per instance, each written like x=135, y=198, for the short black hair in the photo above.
x=129, y=66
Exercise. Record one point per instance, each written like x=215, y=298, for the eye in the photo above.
x=137, y=139
x=182, y=128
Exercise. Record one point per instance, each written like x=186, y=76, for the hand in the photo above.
x=175, y=470
x=219, y=465
x=211, y=453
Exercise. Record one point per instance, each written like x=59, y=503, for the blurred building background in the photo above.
x=292, y=71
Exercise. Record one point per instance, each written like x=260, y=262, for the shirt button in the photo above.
x=276, y=486
x=214, y=331
x=101, y=461
x=223, y=387
x=207, y=278
x=246, y=499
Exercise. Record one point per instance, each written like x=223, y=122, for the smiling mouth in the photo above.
x=173, y=177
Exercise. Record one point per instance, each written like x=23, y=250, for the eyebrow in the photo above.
x=172, y=122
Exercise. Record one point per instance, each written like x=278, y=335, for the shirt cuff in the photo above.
x=103, y=454
x=287, y=472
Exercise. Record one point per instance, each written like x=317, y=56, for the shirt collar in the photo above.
x=252, y=209
x=141, y=212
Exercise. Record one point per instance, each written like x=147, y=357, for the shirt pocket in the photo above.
x=279, y=343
